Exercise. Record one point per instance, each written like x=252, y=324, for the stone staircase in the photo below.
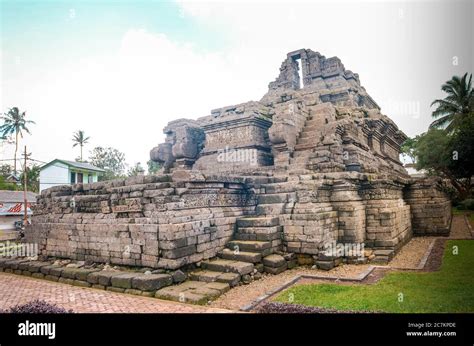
x=312, y=149
x=253, y=250
x=309, y=138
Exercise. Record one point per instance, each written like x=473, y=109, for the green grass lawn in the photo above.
x=451, y=289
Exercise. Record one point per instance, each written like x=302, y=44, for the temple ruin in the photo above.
x=259, y=185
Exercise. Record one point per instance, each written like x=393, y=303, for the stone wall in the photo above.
x=153, y=221
x=430, y=207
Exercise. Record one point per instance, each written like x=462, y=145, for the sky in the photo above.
x=121, y=70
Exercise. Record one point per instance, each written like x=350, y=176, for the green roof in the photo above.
x=79, y=165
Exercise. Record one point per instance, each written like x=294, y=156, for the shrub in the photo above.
x=467, y=204
x=36, y=307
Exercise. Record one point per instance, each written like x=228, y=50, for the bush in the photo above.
x=36, y=307
x=467, y=204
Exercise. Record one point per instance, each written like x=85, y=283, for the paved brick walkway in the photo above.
x=18, y=289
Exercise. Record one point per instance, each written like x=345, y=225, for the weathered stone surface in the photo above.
x=82, y=274
x=81, y=283
x=46, y=269
x=104, y=278
x=274, y=261
x=179, y=276
x=241, y=268
x=324, y=265
x=277, y=270
x=151, y=282
x=124, y=280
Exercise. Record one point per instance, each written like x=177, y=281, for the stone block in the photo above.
x=324, y=265
x=275, y=270
x=124, y=280
x=150, y=282
x=104, y=278
x=274, y=261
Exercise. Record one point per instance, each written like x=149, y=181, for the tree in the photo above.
x=408, y=148
x=5, y=170
x=4, y=185
x=449, y=155
x=137, y=169
x=14, y=122
x=32, y=178
x=457, y=105
x=153, y=167
x=462, y=146
x=433, y=152
x=79, y=138
x=109, y=159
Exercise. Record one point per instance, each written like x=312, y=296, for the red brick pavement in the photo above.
x=18, y=289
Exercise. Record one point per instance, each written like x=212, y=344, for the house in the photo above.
x=12, y=209
x=13, y=179
x=63, y=172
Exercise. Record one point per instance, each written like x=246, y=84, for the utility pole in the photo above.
x=25, y=188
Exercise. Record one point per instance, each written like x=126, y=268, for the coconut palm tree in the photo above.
x=456, y=106
x=80, y=139
x=14, y=122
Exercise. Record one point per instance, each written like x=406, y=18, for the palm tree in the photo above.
x=14, y=122
x=80, y=139
x=456, y=106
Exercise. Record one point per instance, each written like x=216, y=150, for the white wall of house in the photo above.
x=7, y=222
x=57, y=174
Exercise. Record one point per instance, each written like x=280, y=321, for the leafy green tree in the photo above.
x=4, y=185
x=457, y=105
x=79, y=138
x=433, y=151
x=137, y=169
x=14, y=122
x=32, y=178
x=449, y=156
x=462, y=146
x=5, y=170
x=109, y=159
x=153, y=167
x=408, y=148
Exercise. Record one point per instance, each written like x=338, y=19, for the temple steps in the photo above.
x=215, y=276
x=256, y=221
x=246, y=256
x=249, y=245
x=243, y=256
x=224, y=265
x=271, y=209
x=252, y=234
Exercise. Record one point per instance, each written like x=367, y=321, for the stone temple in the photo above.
x=257, y=185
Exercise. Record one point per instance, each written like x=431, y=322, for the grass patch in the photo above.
x=448, y=290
